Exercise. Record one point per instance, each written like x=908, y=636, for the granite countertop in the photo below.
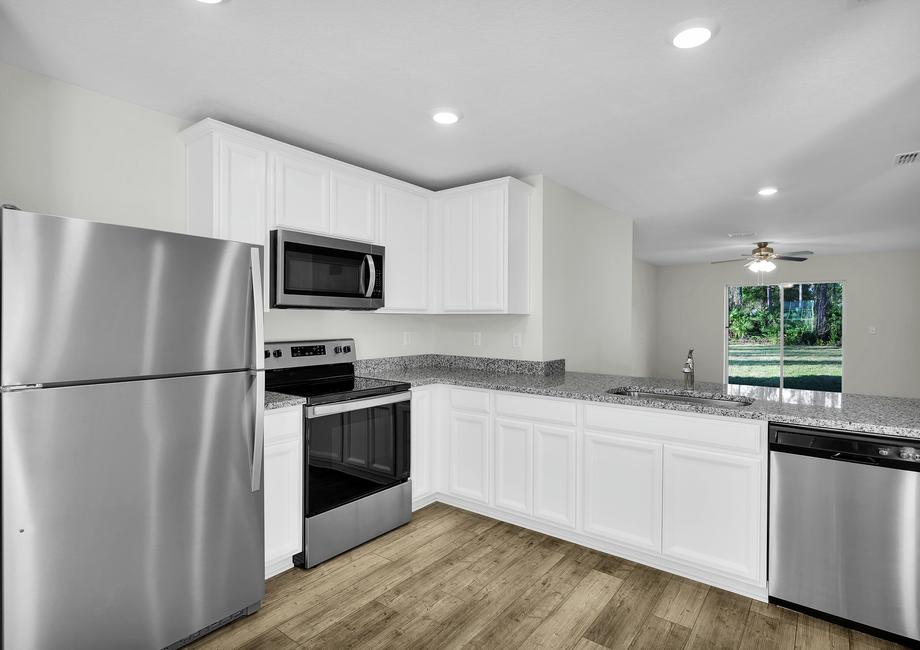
x=890, y=416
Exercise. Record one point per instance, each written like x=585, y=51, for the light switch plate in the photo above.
x=516, y=340
x=477, y=339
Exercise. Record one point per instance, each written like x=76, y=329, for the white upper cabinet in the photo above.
x=485, y=247
x=353, y=209
x=456, y=258
x=301, y=193
x=462, y=250
x=404, y=233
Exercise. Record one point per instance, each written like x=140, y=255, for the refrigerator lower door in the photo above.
x=129, y=516
x=84, y=301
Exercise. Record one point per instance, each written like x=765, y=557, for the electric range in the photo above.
x=357, y=445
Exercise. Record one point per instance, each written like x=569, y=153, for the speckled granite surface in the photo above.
x=457, y=362
x=890, y=416
x=275, y=400
x=880, y=415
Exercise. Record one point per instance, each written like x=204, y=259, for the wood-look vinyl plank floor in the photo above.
x=455, y=579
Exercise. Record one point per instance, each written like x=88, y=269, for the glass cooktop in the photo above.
x=341, y=389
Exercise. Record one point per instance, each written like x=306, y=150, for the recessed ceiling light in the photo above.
x=445, y=116
x=691, y=37
x=767, y=191
x=210, y=2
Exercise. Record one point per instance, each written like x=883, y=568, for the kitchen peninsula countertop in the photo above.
x=891, y=416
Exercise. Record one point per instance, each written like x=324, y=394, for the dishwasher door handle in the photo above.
x=853, y=458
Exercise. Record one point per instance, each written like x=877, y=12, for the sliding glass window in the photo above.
x=785, y=336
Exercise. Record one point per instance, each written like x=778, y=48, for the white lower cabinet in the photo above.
x=283, y=487
x=421, y=437
x=554, y=475
x=512, y=467
x=622, y=489
x=683, y=492
x=468, y=462
x=712, y=506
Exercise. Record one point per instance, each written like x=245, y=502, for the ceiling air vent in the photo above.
x=907, y=158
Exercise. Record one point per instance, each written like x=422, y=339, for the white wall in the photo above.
x=587, y=282
x=69, y=151
x=644, y=317
x=72, y=152
x=881, y=290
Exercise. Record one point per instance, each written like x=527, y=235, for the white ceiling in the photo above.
x=814, y=96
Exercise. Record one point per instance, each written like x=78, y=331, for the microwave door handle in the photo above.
x=372, y=276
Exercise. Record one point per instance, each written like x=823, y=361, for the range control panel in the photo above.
x=295, y=354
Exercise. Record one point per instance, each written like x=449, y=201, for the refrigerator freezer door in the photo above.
x=129, y=519
x=84, y=301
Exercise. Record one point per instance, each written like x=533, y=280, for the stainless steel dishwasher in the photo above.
x=845, y=527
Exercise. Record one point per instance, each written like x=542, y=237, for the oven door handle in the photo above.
x=355, y=405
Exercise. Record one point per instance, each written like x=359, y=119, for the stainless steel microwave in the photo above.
x=316, y=272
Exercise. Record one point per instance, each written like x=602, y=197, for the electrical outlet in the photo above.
x=477, y=339
x=873, y=329
x=516, y=340
x=407, y=338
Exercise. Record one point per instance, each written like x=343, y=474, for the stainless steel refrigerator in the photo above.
x=132, y=403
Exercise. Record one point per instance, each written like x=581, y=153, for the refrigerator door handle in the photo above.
x=258, y=369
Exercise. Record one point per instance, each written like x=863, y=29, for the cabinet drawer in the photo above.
x=724, y=433
x=545, y=410
x=469, y=400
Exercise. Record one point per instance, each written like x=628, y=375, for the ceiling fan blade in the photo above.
x=799, y=253
x=740, y=259
x=789, y=258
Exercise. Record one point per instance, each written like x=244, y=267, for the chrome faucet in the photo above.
x=688, y=371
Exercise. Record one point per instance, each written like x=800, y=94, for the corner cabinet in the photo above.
x=458, y=250
x=485, y=247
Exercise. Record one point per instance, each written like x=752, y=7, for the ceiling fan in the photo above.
x=761, y=258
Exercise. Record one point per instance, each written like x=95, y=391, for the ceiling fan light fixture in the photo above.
x=762, y=266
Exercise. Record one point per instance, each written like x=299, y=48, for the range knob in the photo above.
x=267, y=354
x=347, y=348
x=908, y=453
x=276, y=353
x=338, y=349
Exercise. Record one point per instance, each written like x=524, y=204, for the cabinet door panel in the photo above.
x=353, y=213
x=554, y=475
x=457, y=234
x=283, y=485
x=488, y=269
x=469, y=456
x=513, y=465
x=420, y=439
x=622, y=489
x=301, y=198
x=404, y=233
x=712, y=510
x=242, y=191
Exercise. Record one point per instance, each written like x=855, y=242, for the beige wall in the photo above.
x=644, y=318
x=69, y=151
x=880, y=291
x=587, y=282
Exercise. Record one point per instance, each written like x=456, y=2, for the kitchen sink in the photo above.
x=700, y=399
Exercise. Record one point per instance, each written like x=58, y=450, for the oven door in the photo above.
x=355, y=448
x=311, y=271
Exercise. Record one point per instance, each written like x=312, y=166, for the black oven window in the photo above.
x=312, y=270
x=351, y=455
